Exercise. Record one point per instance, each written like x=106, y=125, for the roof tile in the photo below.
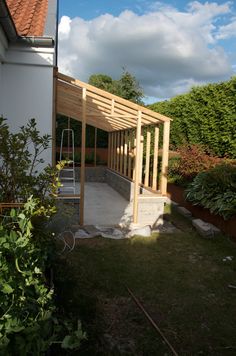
x=29, y=16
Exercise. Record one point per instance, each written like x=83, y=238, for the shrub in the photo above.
x=20, y=157
x=192, y=160
x=215, y=190
x=28, y=321
x=206, y=115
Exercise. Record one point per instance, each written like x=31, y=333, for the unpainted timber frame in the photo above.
x=120, y=118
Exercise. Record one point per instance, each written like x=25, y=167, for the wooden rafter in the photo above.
x=103, y=110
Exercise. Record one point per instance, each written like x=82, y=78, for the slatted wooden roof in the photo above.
x=103, y=110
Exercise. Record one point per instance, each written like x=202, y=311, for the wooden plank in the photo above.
x=141, y=161
x=118, y=99
x=121, y=151
x=137, y=174
x=155, y=159
x=130, y=153
x=125, y=152
x=95, y=147
x=118, y=152
x=82, y=167
x=112, y=150
x=147, y=165
x=115, y=151
x=134, y=154
x=165, y=154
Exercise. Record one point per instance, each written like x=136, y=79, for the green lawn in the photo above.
x=181, y=279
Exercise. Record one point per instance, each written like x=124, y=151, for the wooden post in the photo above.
x=165, y=154
x=95, y=147
x=82, y=166
x=115, y=151
x=137, y=168
x=68, y=138
x=126, y=153
x=141, y=160
x=134, y=155
x=112, y=150
x=147, y=165
x=155, y=159
x=121, y=151
x=118, y=152
x=129, y=153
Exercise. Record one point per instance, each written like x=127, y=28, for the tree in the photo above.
x=126, y=87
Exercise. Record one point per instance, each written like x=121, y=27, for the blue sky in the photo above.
x=169, y=46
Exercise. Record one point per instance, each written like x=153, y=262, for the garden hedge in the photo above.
x=206, y=115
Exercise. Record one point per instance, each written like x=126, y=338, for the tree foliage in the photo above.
x=206, y=115
x=126, y=87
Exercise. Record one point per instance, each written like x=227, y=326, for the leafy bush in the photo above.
x=27, y=324
x=215, y=190
x=192, y=160
x=206, y=115
x=20, y=156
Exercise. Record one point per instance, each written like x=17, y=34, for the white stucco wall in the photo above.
x=27, y=89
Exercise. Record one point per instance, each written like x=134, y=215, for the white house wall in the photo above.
x=27, y=89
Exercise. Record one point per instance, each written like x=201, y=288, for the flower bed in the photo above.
x=176, y=193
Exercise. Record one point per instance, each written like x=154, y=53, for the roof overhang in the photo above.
x=103, y=110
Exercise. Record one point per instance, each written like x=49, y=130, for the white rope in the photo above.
x=62, y=237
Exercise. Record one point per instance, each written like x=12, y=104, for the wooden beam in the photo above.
x=147, y=165
x=102, y=93
x=134, y=154
x=82, y=166
x=130, y=153
x=155, y=159
x=112, y=150
x=165, y=154
x=121, y=151
x=95, y=147
x=115, y=151
x=125, y=152
x=141, y=161
x=118, y=152
x=137, y=168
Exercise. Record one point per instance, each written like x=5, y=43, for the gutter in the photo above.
x=12, y=35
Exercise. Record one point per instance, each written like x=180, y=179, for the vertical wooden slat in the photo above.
x=95, y=147
x=109, y=156
x=147, y=165
x=165, y=154
x=82, y=167
x=155, y=159
x=68, y=139
x=134, y=155
x=121, y=151
x=129, y=153
x=126, y=153
x=137, y=163
x=118, y=152
x=115, y=152
x=112, y=150
x=141, y=160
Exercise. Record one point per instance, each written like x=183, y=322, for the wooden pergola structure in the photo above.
x=123, y=120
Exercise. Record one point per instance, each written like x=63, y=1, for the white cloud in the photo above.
x=167, y=50
x=227, y=31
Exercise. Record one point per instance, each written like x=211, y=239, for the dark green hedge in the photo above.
x=206, y=115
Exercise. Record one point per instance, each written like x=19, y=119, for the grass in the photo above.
x=181, y=279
